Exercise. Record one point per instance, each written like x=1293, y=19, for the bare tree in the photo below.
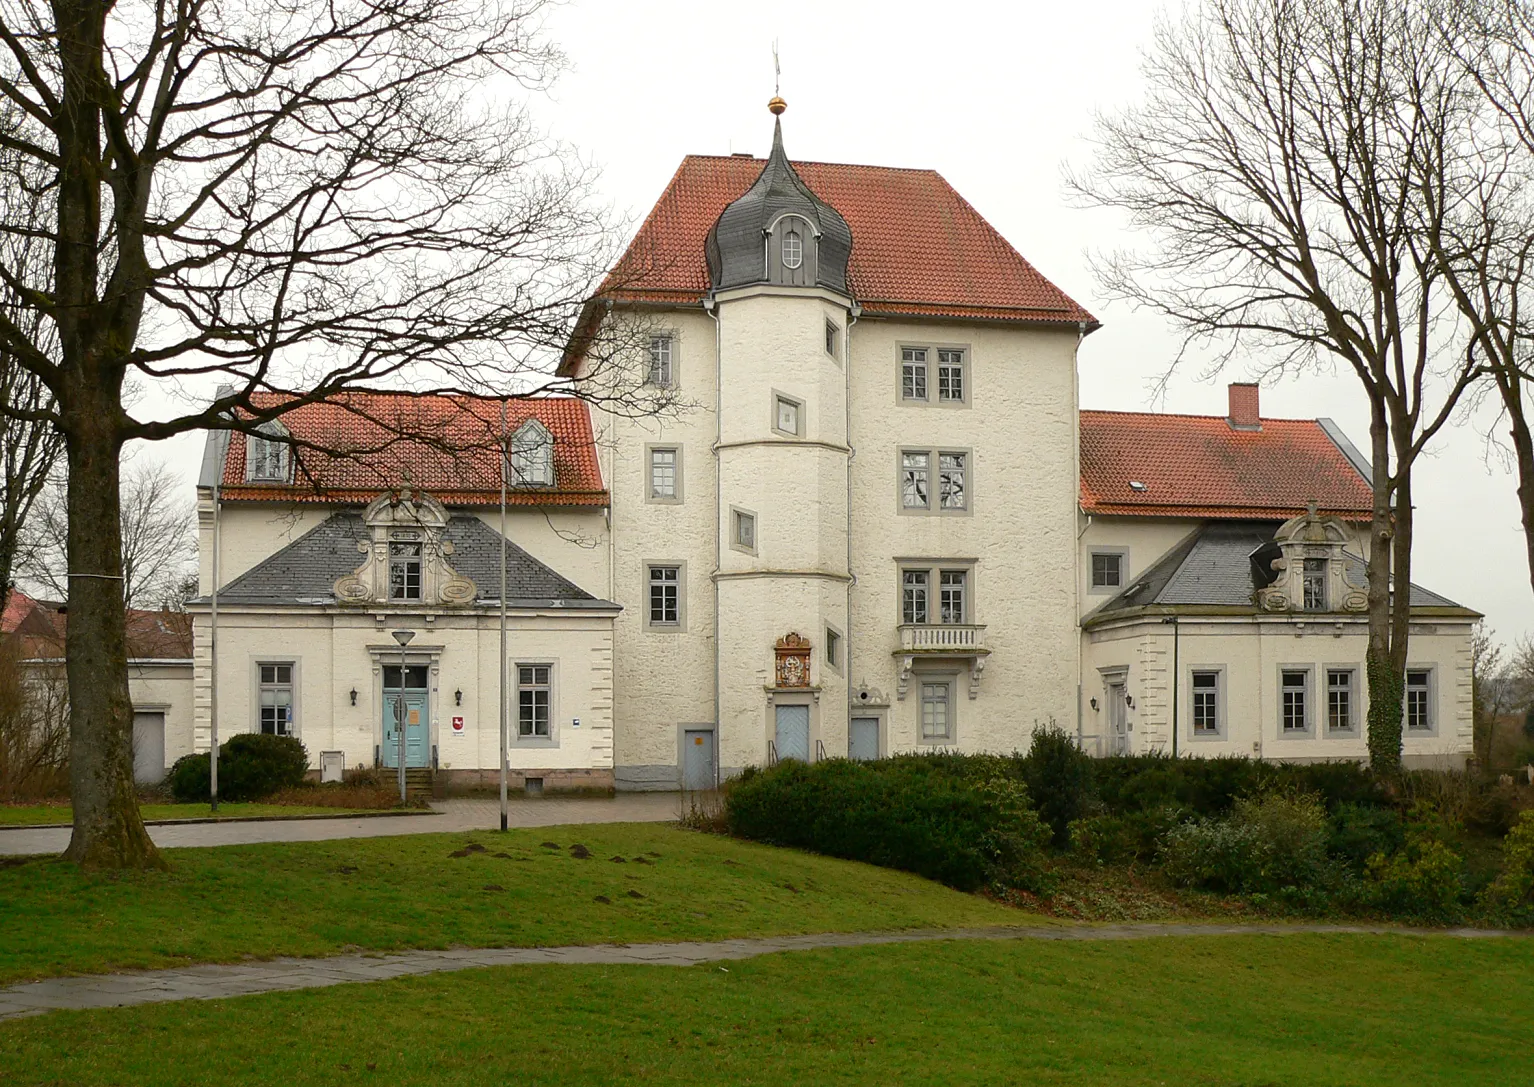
x=286, y=199
x=159, y=537
x=1279, y=163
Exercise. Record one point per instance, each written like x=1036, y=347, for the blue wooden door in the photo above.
x=793, y=732
x=417, y=723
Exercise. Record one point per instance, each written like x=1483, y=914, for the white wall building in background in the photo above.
x=876, y=523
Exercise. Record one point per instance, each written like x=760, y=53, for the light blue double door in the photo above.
x=791, y=732
x=417, y=722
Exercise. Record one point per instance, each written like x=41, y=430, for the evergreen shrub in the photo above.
x=1510, y=898
x=961, y=821
x=1266, y=844
x=1059, y=779
x=251, y=766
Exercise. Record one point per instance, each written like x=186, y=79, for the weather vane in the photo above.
x=777, y=105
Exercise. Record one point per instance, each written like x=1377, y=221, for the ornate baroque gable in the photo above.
x=406, y=556
x=1312, y=574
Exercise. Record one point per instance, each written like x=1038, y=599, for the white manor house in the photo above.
x=880, y=523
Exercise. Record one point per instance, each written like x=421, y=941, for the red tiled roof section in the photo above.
x=42, y=627
x=1199, y=466
x=449, y=445
x=918, y=247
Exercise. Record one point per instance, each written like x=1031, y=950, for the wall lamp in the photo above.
x=354, y=696
x=458, y=697
x=1094, y=705
x=1129, y=700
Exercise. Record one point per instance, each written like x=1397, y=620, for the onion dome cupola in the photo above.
x=779, y=232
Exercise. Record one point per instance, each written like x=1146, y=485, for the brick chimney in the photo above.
x=1244, y=414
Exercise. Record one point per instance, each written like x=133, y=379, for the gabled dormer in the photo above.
x=779, y=232
x=532, y=456
x=405, y=556
x=268, y=454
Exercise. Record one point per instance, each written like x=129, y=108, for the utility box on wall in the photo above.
x=332, y=766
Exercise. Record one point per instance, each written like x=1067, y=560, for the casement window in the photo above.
x=788, y=415
x=913, y=606
x=1294, y=700
x=266, y=459
x=665, y=473
x=533, y=694
x=936, y=712
x=833, y=336
x=793, y=249
x=662, y=373
x=275, y=698
x=1340, y=703
x=664, y=609
x=1419, y=700
x=833, y=648
x=951, y=592
x=1206, y=702
x=1315, y=584
x=917, y=493
x=950, y=376
x=743, y=530
x=953, y=603
x=913, y=373
x=1107, y=569
x=532, y=456
x=404, y=570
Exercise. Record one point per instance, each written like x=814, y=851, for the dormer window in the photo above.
x=532, y=456
x=266, y=459
x=404, y=570
x=793, y=249
x=1315, y=585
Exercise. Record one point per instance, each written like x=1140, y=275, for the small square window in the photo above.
x=788, y=415
x=745, y=529
x=1107, y=570
x=1206, y=703
x=833, y=335
x=662, y=352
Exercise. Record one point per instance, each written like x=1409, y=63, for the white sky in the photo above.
x=996, y=97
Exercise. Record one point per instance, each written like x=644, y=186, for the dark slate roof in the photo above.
x=305, y=571
x=734, y=249
x=1212, y=568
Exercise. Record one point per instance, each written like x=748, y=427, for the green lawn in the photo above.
x=20, y=815
x=320, y=898
x=1250, y=1010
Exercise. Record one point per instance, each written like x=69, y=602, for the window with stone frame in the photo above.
x=951, y=376
x=833, y=337
x=917, y=493
x=665, y=604
x=1339, y=699
x=1418, y=698
x=534, y=691
x=405, y=569
x=915, y=479
x=1314, y=588
x=913, y=604
x=266, y=458
x=663, y=473
x=1206, y=702
x=953, y=587
x=275, y=698
x=532, y=456
x=1294, y=704
x=936, y=712
x=1107, y=569
x=662, y=361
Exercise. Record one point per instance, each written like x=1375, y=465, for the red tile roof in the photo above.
x=1199, y=466
x=449, y=445
x=918, y=247
x=42, y=627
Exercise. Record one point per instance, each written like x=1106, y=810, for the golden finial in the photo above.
x=777, y=105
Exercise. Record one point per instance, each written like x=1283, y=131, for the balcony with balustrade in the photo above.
x=960, y=642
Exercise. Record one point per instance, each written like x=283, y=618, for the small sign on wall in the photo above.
x=458, y=729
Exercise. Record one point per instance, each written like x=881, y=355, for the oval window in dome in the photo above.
x=793, y=249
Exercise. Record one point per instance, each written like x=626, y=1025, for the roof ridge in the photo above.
x=1195, y=415
x=809, y=162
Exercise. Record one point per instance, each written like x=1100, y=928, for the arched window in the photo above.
x=793, y=249
x=532, y=456
x=266, y=458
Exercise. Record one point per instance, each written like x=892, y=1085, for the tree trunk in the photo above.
x=1510, y=385
x=1384, y=680
x=108, y=830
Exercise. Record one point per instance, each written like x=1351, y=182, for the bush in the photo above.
x=1059, y=779
x=1266, y=844
x=251, y=766
x=1423, y=880
x=1510, y=898
x=1210, y=787
x=1358, y=832
x=963, y=822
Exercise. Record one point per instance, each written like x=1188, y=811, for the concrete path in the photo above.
x=215, y=982
x=453, y=815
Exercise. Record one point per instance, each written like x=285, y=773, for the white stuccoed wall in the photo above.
x=1251, y=654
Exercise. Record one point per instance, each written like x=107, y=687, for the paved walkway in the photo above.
x=453, y=815
x=215, y=982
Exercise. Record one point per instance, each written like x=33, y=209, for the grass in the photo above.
x=416, y=891
x=22, y=814
x=1253, y=1010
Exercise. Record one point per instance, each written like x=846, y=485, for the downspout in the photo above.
x=1081, y=334
x=852, y=318
x=711, y=307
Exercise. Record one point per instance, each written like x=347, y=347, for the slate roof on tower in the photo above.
x=918, y=248
x=448, y=444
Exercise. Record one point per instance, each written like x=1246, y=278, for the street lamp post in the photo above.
x=403, y=638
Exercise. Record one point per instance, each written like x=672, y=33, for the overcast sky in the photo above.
x=997, y=98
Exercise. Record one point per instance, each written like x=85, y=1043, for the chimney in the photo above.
x=1244, y=413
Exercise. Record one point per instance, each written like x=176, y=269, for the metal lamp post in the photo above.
x=403, y=638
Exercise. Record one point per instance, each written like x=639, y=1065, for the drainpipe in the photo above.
x=852, y=318
x=711, y=307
